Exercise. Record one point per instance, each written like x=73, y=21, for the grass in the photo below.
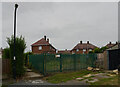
x=4, y=85
x=107, y=81
x=66, y=76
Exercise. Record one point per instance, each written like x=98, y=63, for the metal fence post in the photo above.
x=44, y=64
x=74, y=56
x=60, y=63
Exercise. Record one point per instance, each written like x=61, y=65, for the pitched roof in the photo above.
x=84, y=46
x=41, y=42
x=110, y=45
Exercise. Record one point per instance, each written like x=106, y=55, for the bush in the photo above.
x=6, y=53
x=26, y=57
x=20, y=46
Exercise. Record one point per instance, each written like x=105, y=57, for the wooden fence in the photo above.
x=5, y=66
x=102, y=60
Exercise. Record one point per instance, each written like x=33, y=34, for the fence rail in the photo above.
x=46, y=63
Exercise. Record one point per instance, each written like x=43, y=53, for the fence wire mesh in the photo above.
x=45, y=63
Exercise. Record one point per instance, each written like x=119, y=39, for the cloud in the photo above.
x=65, y=23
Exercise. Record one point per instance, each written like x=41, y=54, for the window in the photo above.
x=90, y=49
x=40, y=47
x=84, y=50
x=77, y=50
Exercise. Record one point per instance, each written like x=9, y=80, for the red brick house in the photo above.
x=110, y=45
x=83, y=48
x=43, y=46
x=64, y=51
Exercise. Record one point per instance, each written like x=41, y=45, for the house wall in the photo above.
x=80, y=51
x=102, y=60
x=45, y=49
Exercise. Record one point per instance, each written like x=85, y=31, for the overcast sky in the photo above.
x=64, y=23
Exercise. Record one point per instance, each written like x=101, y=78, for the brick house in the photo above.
x=43, y=46
x=110, y=45
x=83, y=48
x=64, y=51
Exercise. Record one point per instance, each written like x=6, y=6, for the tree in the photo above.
x=103, y=48
x=97, y=50
x=20, y=46
x=6, y=53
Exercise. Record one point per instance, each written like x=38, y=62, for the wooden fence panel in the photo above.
x=5, y=66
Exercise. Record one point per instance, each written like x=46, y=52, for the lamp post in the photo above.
x=14, y=56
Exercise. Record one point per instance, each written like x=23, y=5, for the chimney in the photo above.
x=87, y=42
x=80, y=42
x=110, y=43
x=45, y=37
x=48, y=40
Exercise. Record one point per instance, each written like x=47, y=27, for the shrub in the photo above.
x=26, y=57
x=6, y=53
x=20, y=46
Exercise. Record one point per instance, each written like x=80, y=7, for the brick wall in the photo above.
x=45, y=49
x=80, y=51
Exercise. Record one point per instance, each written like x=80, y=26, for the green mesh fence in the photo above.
x=46, y=63
x=37, y=62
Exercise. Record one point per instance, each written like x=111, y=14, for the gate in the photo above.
x=114, y=59
x=46, y=63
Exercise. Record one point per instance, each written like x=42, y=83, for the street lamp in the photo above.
x=14, y=56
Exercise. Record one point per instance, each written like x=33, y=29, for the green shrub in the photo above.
x=6, y=53
x=26, y=57
x=20, y=46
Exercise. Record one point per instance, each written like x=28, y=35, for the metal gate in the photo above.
x=114, y=59
x=46, y=63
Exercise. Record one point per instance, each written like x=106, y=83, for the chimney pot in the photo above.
x=48, y=40
x=45, y=37
x=110, y=43
x=87, y=42
x=80, y=42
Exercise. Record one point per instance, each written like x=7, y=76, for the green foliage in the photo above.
x=26, y=57
x=99, y=50
x=91, y=52
x=6, y=53
x=20, y=46
x=103, y=48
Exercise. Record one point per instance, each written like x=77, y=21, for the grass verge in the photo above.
x=66, y=76
x=107, y=81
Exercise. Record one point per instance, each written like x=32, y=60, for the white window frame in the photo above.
x=84, y=50
x=40, y=48
x=77, y=50
x=90, y=49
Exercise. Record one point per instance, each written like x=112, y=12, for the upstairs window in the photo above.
x=40, y=47
x=90, y=49
x=84, y=50
x=77, y=50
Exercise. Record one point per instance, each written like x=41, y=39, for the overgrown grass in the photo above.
x=4, y=85
x=107, y=81
x=65, y=76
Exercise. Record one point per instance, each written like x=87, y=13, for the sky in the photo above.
x=64, y=23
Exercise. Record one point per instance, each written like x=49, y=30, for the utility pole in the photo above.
x=14, y=55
